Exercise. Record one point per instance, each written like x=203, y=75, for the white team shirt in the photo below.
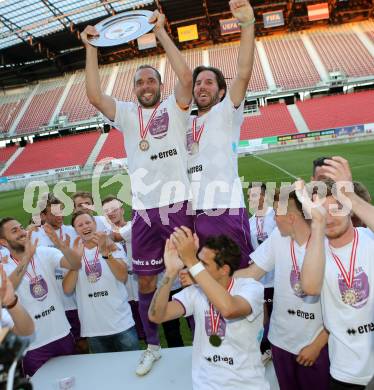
x=263, y=225
x=4, y=252
x=237, y=362
x=295, y=321
x=43, y=240
x=213, y=170
x=6, y=320
x=158, y=175
x=49, y=314
x=103, y=307
x=351, y=341
x=132, y=280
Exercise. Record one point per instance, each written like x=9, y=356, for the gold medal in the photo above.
x=350, y=297
x=297, y=288
x=38, y=290
x=194, y=148
x=92, y=278
x=143, y=145
x=215, y=340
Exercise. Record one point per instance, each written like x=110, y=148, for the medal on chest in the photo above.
x=215, y=317
x=144, y=144
x=196, y=135
x=295, y=273
x=93, y=270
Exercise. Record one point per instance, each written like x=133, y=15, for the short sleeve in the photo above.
x=122, y=109
x=253, y=292
x=176, y=113
x=120, y=254
x=186, y=299
x=6, y=319
x=125, y=233
x=264, y=255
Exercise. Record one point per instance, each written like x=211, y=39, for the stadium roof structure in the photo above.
x=40, y=38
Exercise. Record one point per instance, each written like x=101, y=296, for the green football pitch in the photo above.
x=297, y=163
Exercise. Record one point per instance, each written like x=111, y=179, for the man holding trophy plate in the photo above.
x=155, y=132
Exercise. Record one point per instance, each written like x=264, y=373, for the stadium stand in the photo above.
x=113, y=146
x=341, y=50
x=76, y=106
x=42, y=106
x=224, y=57
x=10, y=106
x=6, y=153
x=54, y=153
x=340, y=110
x=273, y=120
x=290, y=62
x=123, y=86
x=194, y=58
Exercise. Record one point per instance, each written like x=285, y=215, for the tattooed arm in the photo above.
x=161, y=309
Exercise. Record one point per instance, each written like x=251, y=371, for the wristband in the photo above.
x=247, y=23
x=106, y=257
x=196, y=269
x=14, y=303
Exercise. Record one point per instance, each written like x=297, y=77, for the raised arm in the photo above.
x=23, y=323
x=70, y=281
x=242, y=10
x=183, y=88
x=104, y=103
x=252, y=271
x=161, y=309
x=313, y=269
x=229, y=306
x=338, y=169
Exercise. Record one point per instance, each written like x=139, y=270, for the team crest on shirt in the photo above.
x=296, y=284
x=95, y=269
x=356, y=296
x=209, y=326
x=160, y=124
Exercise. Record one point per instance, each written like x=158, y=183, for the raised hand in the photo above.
x=30, y=247
x=312, y=208
x=337, y=168
x=185, y=278
x=185, y=243
x=6, y=290
x=50, y=232
x=241, y=10
x=158, y=19
x=173, y=263
x=88, y=32
x=78, y=246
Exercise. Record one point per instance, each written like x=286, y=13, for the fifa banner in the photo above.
x=229, y=26
x=273, y=19
x=188, y=33
x=318, y=11
x=147, y=41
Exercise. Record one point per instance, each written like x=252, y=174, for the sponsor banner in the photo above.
x=4, y=179
x=350, y=130
x=273, y=19
x=318, y=11
x=369, y=128
x=147, y=41
x=270, y=140
x=229, y=26
x=188, y=33
x=72, y=168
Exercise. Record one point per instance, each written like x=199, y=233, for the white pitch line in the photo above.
x=276, y=166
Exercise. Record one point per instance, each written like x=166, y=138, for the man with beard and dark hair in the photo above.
x=212, y=141
x=342, y=273
x=155, y=134
x=31, y=270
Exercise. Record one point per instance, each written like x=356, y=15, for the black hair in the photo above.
x=219, y=77
x=227, y=252
x=319, y=162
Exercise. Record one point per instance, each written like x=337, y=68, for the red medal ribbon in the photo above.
x=94, y=262
x=293, y=256
x=144, y=131
x=216, y=318
x=260, y=221
x=32, y=266
x=196, y=135
x=348, y=278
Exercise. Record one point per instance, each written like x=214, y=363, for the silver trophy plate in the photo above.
x=122, y=28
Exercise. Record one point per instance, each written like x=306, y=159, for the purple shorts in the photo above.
x=150, y=229
x=233, y=223
x=73, y=318
x=34, y=359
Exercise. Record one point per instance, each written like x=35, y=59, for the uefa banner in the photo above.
x=229, y=26
x=273, y=19
x=188, y=33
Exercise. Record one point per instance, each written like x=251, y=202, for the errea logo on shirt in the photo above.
x=218, y=358
x=44, y=313
x=302, y=314
x=367, y=328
